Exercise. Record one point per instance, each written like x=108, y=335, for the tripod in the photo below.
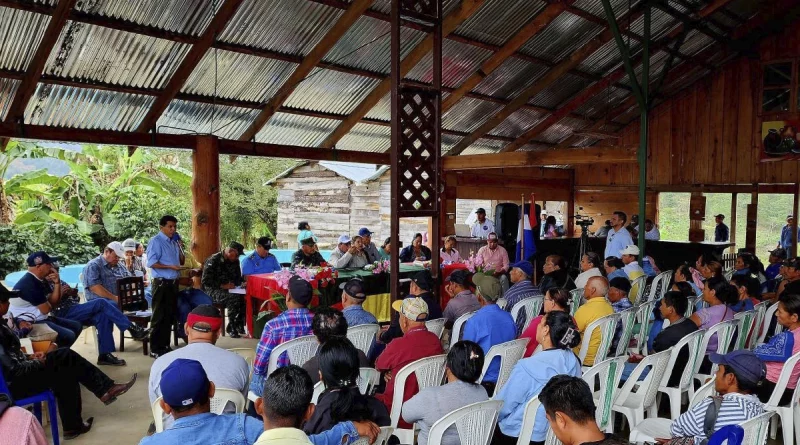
x=583, y=247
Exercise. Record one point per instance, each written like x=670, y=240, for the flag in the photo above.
x=525, y=232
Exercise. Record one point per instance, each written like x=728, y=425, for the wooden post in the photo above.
x=793, y=253
x=570, y=207
x=205, y=198
x=752, y=221
x=697, y=212
x=733, y=221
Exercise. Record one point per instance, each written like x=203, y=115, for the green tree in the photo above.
x=15, y=150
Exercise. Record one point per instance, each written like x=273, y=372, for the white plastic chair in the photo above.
x=363, y=336
x=747, y=321
x=436, y=326
x=692, y=306
x=510, y=353
x=755, y=429
x=608, y=372
x=222, y=396
x=724, y=331
x=786, y=413
x=319, y=388
x=627, y=319
x=458, y=328
x=368, y=379
x=529, y=421
x=575, y=297
x=650, y=429
x=768, y=316
x=502, y=302
x=248, y=354
x=675, y=394
x=639, y=284
x=300, y=350
x=475, y=423
x=607, y=326
x=634, y=404
x=429, y=372
x=383, y=437
x=532, y=306
x=759, y=326
x=643, y=314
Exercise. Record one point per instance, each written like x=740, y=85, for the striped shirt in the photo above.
x=735, y=409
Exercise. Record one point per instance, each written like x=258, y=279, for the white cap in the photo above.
x=344, y=239
x=116, y=246
x=630, y=250
x=129, y=245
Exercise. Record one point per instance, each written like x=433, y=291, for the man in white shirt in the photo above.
x=226, y=369
x=618, y=236
x=482, y=227
x=651, y=232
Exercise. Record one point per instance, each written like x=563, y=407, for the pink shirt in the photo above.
x=449, y=257
x=498, y=258
x=774, y=368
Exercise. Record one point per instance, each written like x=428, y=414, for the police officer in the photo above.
x=221, y=273
x=307, y=255
x=260, y=261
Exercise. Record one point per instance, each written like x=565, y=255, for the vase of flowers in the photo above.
x=475, y=264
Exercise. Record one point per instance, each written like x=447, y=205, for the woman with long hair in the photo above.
x=554, y=300
x=341, y=401
x=591, y=265
x=416, y=251
x=462, y=369
x=556, y=274
x=720, y=296
x=557, y=334
x=550, y=227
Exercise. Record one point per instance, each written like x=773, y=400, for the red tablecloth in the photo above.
x=261, y=287
x=446, y=271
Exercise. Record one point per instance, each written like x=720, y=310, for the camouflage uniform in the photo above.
x=216, y=272
x=301, y=259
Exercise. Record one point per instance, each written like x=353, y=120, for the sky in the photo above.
x=53, y=166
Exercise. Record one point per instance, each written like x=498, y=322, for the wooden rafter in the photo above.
x=36, y=67
x=527, y=32
x=333, y=35
x=451, y=22
x=573, y=156
x=189, y=63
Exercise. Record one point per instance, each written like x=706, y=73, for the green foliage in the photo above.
x=17, y=244
x=65, y=241
x=137, y=215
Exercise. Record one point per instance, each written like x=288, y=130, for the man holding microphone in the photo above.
x=164, y=257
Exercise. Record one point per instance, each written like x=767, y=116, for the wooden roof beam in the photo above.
x=16, y=111
x=450, y=23
x=311, y=60
x=527, y=32
x=574, y=156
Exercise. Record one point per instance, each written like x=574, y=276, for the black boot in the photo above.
x=139, y=333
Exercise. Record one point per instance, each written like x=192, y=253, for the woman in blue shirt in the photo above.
x=749, y=290
x=260, y=261
x=557, y=334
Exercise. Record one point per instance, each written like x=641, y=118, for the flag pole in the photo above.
x=521, y=232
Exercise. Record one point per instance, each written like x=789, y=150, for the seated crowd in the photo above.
x=319, y=401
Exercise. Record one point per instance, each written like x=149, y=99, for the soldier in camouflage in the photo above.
x=222, y=272
x=307, y=255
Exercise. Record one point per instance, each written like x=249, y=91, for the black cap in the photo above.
x=794, y=263
x=237, y=247
x=300, y=290
x=620, y=283
x=265, y=242
x=354, y=287
x=460, y=276
x=779, y=253
x=308, y=241
x=480, y=210
x=422, y=279
x=719, y=216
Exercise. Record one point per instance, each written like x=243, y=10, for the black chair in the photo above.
x=131, y=299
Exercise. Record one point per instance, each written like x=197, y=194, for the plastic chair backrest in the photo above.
x=724, y=331
x=575, y=300
x=429, y=372
x=692, y=306
x=639, y=284
x=760, y=325
x=475, y=423
x=693, y=342
x=221, y=398
x=768, y=316
x=458, y=327
x=299, y=350
x=248, y=354
x=319, y=388
x=627, y=319
x=531, y=305
x=510, y=353
x=643, y=318
x=649, y=386
x=783, y=381
x=436, y=326
x=609, y=373
x=747, y=321
x=502, y=302
x=368, y=379
x=755, y=429
x=704, y=392
x=363, y=336
x=607, y=326
x=382, y=439
x=529, y=421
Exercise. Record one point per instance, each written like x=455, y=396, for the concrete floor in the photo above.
x=125, y=421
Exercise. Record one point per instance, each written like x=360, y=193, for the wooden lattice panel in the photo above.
x=418, y=151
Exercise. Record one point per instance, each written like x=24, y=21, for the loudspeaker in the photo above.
x=506, y=221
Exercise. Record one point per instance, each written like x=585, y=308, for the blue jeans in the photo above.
x=102, y=314
x=148, y=295
x=188, y=299
x=629, y=367
x=68, y=330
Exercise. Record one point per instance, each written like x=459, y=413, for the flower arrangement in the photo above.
x=319, y=277
x=475, y=264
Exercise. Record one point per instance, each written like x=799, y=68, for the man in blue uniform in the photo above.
x=260, y=261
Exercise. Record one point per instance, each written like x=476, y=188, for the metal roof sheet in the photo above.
x=560, y=92
x=519, y=122
x=90, y=52
x=563, y=36
x=468, y=114
x=459, y=61
x=331, y=92
x=499, y=20
x=60, y=106
x=600, y=104
x=510, y=78
x=560, y=130
x=20, y=34
x=484, y=146
x=596, y=6
x=292, y=129
x=8, y=87
x=179, y=16
x=366, y=137
x=183, y=117
x=385, y=6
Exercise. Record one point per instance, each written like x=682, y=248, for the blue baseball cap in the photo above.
x=524, y=266
x=364, y=232
x=184, y=382
x=747, y=365
x=39, y=258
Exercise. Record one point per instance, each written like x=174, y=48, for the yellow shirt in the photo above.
x=283, y=436
x=594, y=309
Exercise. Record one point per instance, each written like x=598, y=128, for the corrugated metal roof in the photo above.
x=484, y=146
x=459, y=61
x=596, y=7
x=8, y=87
x=449, y=141
x=192, y=117
x=510, y=79
x=600, y=104
x=180, y=16
x=20, y=34
x=561, y=130
x=89, y=52
x=559, y=92
x=382, y=110
x=499, y=20
x=519, y=122
x=604, y=59
x=287, y=26
x=352, y=171
x=660, y=24
x=563, y=36
x=468, y=114
x=60, y=106
x=385, y=6
x=366, y=137
x=533, y=146
x=331, y=92
x=291, y=129
x=239, y=76
x=696, y=42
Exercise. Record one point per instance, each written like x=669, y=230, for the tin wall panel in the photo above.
x=291, y=129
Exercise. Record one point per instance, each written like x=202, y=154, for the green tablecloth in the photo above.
x=374, y=283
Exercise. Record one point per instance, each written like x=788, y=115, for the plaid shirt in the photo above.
x=286, y=326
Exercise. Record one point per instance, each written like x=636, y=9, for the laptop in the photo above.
x=463, y=230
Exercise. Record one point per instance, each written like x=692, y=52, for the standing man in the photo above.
x=221, y=273
x=482, y=227
x=618, y=237
x=370, y=249
x=164, y=257
x=307, y=255
x=786, y=235
x=721, y=232
x=260, y=261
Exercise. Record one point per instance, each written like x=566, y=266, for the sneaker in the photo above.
x=139, y=333
x=109, y=360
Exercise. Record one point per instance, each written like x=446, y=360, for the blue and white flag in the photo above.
x=525, y=232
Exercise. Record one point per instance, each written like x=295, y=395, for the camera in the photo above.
x=584, y=221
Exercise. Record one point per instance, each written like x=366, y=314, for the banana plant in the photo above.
x=15, y=150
